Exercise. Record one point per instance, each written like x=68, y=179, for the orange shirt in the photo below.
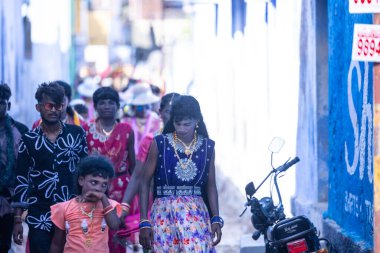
x=83, y=235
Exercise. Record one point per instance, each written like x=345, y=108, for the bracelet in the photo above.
x=107, y=210
x=17, y=216
x=145, y=227
x=145, y=224
x=217, y=219
x=125, y=207
x=125, y=204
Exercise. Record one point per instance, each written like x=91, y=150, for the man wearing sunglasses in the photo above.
x=10, y=135
x=46, y=166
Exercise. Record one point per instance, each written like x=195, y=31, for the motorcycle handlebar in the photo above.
x=289, y=164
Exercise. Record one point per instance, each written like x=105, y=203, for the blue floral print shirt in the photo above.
x=45, y=172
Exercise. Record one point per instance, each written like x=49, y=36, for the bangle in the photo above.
x=125, y=204
x=145, y=224
x=217, y=219
x=125, y=207
x=17, y=222
x=17, y=216
x=107, y=210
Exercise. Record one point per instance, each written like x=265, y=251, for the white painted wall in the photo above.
x=51, y=38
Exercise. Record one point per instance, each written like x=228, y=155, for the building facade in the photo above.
x=35, y=47
x=335, y=131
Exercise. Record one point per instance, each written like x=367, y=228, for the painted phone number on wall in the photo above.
x=366, y=43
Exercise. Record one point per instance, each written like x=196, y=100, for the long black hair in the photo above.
x=186, y=107
x=96, y=165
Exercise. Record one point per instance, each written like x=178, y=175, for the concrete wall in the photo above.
x=11, y=44
x=312, y=134
x=47, y=64
x=49, y=60
x=335, y=128
x=350, y=129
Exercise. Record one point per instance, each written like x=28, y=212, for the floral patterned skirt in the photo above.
x=181, y=224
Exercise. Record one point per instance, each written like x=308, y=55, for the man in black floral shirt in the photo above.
x=46, y=165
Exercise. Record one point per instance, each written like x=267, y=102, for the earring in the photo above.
x=196, y=128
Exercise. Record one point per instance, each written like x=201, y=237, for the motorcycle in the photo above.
x=281, y=235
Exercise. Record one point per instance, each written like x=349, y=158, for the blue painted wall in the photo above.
x=350, y=199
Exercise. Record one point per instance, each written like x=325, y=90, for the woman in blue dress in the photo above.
x=181, y=161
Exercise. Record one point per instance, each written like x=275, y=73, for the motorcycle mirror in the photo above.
x=276, y=145
x=250, y=189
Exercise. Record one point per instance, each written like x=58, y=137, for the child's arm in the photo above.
x=110, y=215
x=58, y=242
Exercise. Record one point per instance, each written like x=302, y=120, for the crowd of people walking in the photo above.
x=72, y=183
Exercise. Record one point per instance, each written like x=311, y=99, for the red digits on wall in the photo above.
x=378, y=48
x=366, y=47
x=360, y=46
x=362, y=1
x=372, y=47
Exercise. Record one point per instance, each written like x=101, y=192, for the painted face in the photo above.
x=50, y=111
x=106, y=108
x=165, y=113
x=93, y=183
x=185, y=128
x=4, y=107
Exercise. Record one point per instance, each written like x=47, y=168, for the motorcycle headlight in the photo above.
x=267, y=207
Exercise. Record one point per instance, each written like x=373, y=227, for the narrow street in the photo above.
x=305, y=71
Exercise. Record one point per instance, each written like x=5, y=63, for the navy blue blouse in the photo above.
x=186, y=177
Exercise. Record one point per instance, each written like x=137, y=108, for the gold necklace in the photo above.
x=184, y=165
x=90, y=214
x=86, y=230
x=188, y=149
x=88, y=241
x=107, y=133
